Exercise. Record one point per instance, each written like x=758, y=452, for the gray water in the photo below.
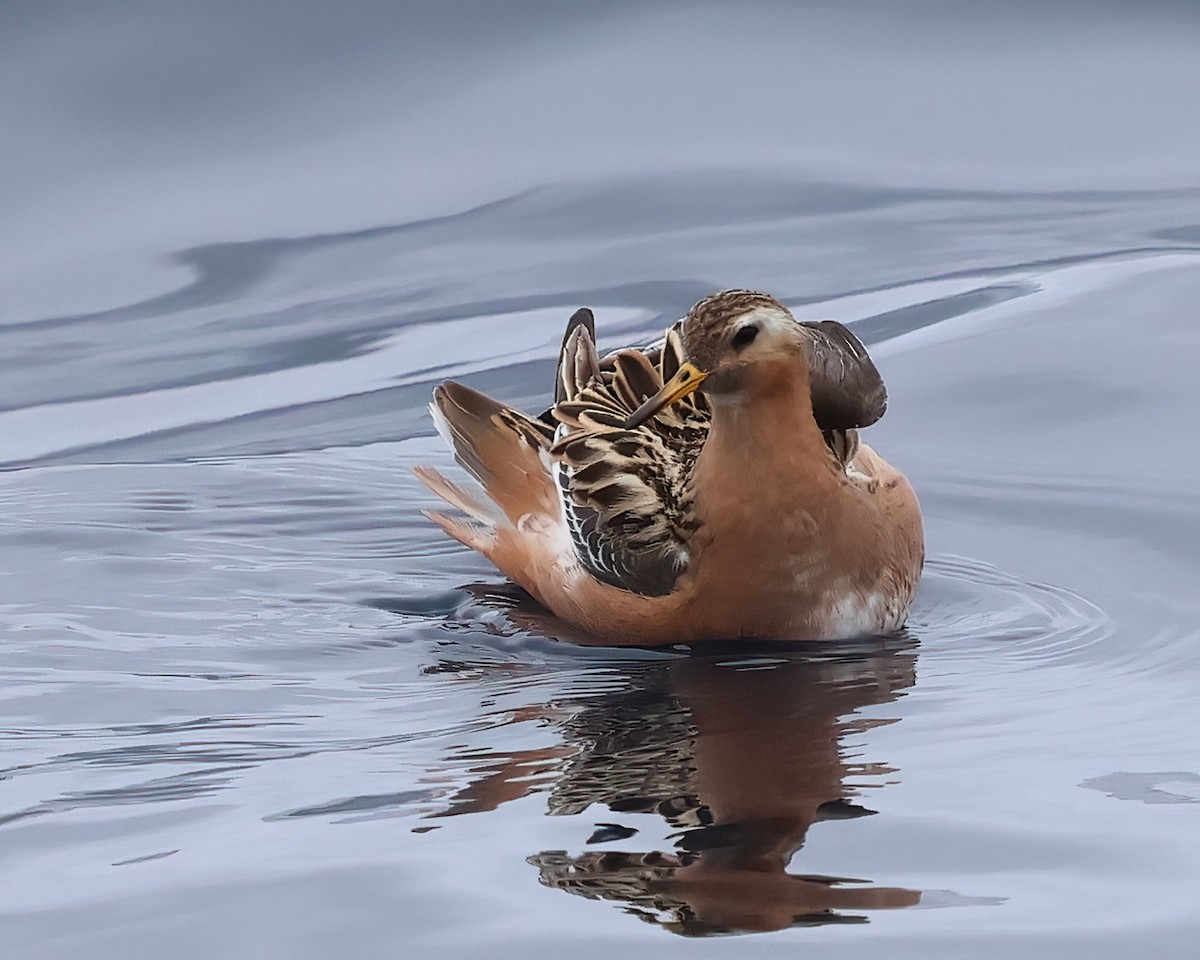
x=253, y=705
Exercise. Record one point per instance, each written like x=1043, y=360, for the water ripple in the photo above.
x=974, y=608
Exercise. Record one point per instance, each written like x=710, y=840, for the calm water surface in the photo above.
x=253, y=705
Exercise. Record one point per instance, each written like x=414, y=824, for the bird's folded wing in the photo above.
x=626, y=493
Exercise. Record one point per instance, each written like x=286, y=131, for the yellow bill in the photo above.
x=679, y=386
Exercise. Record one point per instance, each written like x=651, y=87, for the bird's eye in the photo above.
x=744, y=337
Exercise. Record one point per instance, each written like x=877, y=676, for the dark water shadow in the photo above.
x=738, y=753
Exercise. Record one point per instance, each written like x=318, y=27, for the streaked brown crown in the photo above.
x=706, y=323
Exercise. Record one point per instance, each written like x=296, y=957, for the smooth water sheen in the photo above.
x=254, y=705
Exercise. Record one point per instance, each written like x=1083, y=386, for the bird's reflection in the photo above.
x=740, y=755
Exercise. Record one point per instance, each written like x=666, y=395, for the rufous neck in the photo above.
x=770, y=418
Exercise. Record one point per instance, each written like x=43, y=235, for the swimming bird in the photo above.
x=710, y=487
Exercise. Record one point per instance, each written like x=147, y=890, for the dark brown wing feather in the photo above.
x=847, y=390
x=625, y=493
x=580, y=318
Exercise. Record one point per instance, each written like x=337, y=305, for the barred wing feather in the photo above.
x=625, y=493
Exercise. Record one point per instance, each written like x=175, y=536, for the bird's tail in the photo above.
x=505, y=451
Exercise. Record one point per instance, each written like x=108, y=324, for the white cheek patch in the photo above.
x=777, y=325
x=774, y=319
